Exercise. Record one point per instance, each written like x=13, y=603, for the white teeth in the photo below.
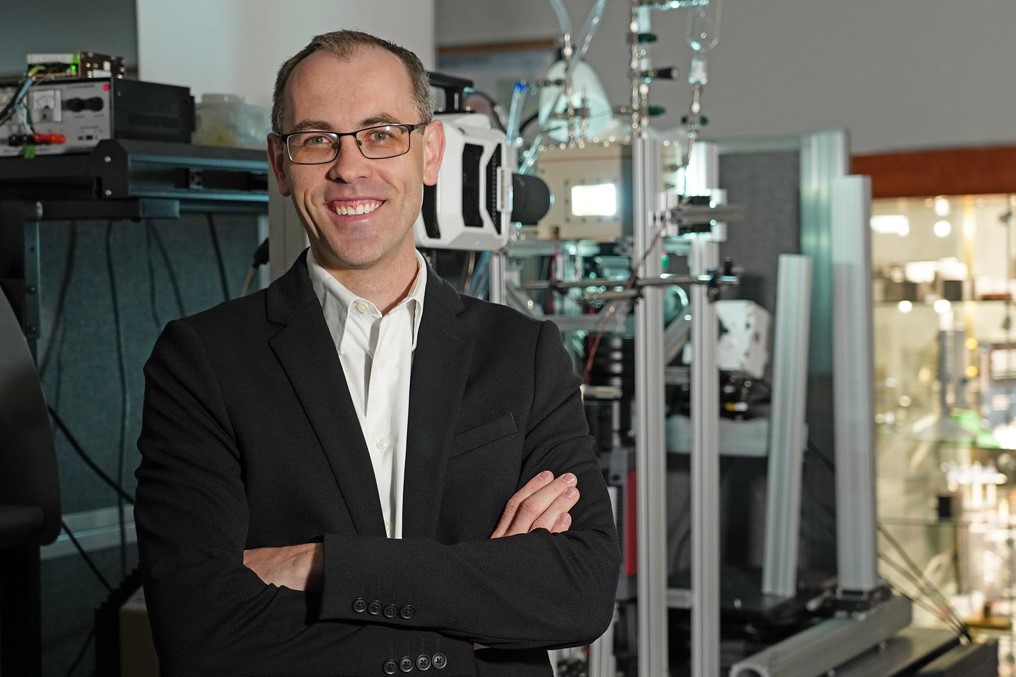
x=357, y=210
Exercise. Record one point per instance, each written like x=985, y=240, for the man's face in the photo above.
x=358, y=213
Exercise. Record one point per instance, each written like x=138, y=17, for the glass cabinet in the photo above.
x=945, y=406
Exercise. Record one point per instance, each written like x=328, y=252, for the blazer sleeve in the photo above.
x=532, y=590
x=210, y=615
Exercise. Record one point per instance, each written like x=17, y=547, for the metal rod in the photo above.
x=822, y=647
x=705, y=470
x=787, y=438
x=853, y=376
x=498, y=272
x=708, y=278
x=650, y=462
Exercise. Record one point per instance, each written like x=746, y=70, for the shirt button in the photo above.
x=390, y=667
x=382, y=363
x=374, y=608
x=359, y=605
x=407, y=612
x=423, y=662
x=361, y=307
x=439, y=661
x=406, y=664
x=382, y=443
x=390, y=611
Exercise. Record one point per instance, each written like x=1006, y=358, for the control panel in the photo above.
x=72, y=116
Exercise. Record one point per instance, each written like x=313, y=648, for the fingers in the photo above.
x=553, y=516
x=531, y=487
x=543, y=503
x=562, y=524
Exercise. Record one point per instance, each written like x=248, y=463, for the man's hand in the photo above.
x=543, y=503
x=297, y=567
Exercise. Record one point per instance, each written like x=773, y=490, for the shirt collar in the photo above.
x=335, y=298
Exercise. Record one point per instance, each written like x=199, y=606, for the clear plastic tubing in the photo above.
x=562, y=16
x=515, y=112
x=589, y=29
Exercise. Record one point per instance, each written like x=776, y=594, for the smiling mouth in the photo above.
x=356, y=209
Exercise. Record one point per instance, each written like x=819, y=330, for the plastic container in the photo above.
x=228, y=120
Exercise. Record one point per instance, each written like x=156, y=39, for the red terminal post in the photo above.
x=50, y=138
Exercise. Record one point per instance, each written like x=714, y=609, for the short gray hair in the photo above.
x=344, y=45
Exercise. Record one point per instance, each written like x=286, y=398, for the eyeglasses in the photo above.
x=375, y=143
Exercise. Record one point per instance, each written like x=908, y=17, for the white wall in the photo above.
x=898, y=73
x=236, y=46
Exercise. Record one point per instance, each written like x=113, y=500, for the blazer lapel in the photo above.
x=444, y=349
x=305, y=349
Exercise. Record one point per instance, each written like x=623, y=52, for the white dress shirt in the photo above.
x=376, y=352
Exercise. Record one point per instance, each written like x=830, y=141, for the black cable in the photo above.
x=61, y=297
x=86, y=457
x=173, y=281
x=20, y=92
x=153, y=300
x=944, y=611
x=98, y=574
x=124, y=394
x=81, y=652
x=84, y=556
x=528, y=121
x=494, y=115
x=218, y=256
x=821, y=456
x=934, y=592
x=932, y=588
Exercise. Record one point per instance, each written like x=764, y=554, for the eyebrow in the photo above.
x=321, y=125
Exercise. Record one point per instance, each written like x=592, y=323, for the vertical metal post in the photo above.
x=786, y=433
x=853, y=375
x=602, y=662
x=287, y=237
x=705, y=467
x=824, y=157
x=650, y=461
x=498, y=276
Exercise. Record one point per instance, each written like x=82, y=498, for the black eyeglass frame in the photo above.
x=337, y=136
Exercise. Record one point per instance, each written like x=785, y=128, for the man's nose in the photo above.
x=349, y=164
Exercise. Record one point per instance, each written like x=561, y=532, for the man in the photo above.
x=358, y=471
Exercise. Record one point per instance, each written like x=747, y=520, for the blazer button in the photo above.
x=423, y=662
x=439, y=661
x=390, y=667
x=407, y=612
x=406, y=664
x=390, y=611
x=374, y=608
x=359, y=605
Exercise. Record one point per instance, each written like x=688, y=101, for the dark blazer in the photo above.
x=249, y=439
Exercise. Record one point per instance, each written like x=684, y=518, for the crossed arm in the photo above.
x=542, y=503
x=523, y=587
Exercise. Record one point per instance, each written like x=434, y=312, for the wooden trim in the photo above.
x=953, y=171
x=497, y=47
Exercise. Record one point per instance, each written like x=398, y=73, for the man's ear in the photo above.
x=277, y=158
x=433, y=151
